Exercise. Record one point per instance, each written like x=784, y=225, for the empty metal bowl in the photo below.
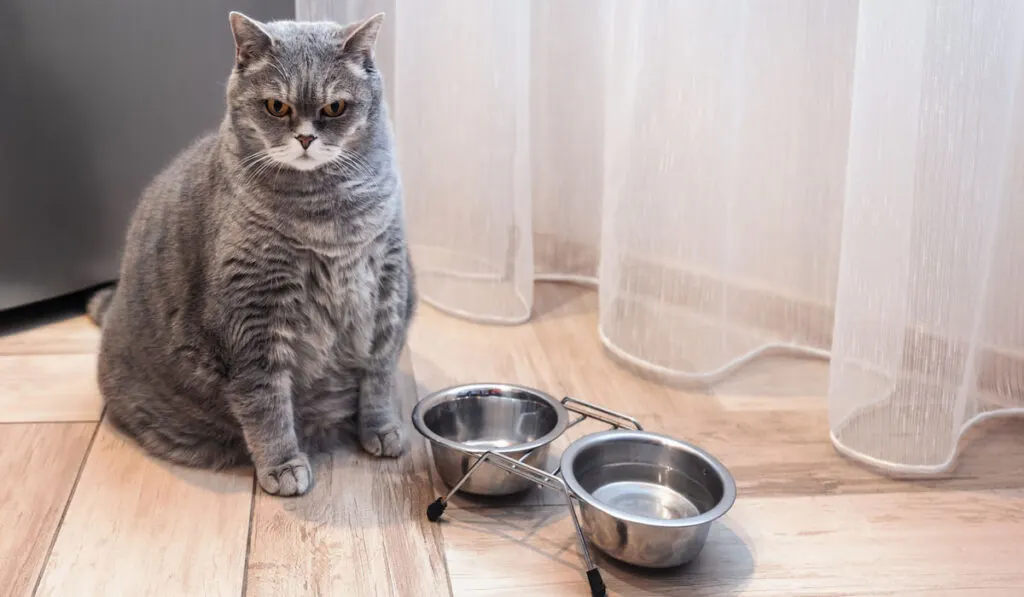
x=512, y=420
x=646, y=499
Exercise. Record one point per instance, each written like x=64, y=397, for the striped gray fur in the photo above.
x=266, y=291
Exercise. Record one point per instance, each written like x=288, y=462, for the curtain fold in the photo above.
x=929, y=332
x=726, y=135
x=829, y=179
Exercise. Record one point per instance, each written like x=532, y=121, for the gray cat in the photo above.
x=266, y=290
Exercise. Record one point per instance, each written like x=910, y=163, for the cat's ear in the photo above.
x=361, y=38
x=251, y=39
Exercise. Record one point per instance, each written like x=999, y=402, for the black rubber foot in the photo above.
x=436, y=509
x=597, y=588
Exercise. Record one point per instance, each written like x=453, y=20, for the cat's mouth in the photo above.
x=297, y=159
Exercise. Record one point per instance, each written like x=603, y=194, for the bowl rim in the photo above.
x=615, y=435
x=455, y=392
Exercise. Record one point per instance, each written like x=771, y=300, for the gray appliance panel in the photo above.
x=97, y=98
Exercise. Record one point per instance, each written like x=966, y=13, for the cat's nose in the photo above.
x=305, y=140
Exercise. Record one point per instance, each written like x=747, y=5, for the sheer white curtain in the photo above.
x=816, y=178
x=929, y=327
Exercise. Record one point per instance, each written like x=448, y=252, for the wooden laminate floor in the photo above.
x=83, y=512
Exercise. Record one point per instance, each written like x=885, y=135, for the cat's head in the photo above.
x=303, y=95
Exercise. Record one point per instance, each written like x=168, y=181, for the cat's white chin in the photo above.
x=294, y=157
x=305, y=163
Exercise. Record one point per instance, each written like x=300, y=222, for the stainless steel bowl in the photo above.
x=508, y=419
x=646, y=499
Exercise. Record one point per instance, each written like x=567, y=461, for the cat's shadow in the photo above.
x=225, y=481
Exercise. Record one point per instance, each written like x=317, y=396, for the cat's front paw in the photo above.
x=292, y=477
x=388, y=442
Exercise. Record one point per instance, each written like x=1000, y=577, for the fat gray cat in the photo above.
x=266, y=291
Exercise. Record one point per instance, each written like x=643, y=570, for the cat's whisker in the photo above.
x=361, y=181
x=249, y=158
x=372, y=177
x=277, y=174
x=355, y=162
x=351, y=165
x=253, y=170
x=251, y=161
x=264, y=166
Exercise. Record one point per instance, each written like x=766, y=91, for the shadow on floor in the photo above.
x=20, y=319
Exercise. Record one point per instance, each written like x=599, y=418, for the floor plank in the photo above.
x=362, y=530
x=137, y=526
x=39, y=464
x=64, y=335
x=49, y=388
x=823, y=546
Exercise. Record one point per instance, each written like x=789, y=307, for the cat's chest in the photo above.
x=338, y=305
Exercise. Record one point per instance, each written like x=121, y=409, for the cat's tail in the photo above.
x=98, y=304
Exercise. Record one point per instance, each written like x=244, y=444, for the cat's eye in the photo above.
x=334, y=109
x=278, y=108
